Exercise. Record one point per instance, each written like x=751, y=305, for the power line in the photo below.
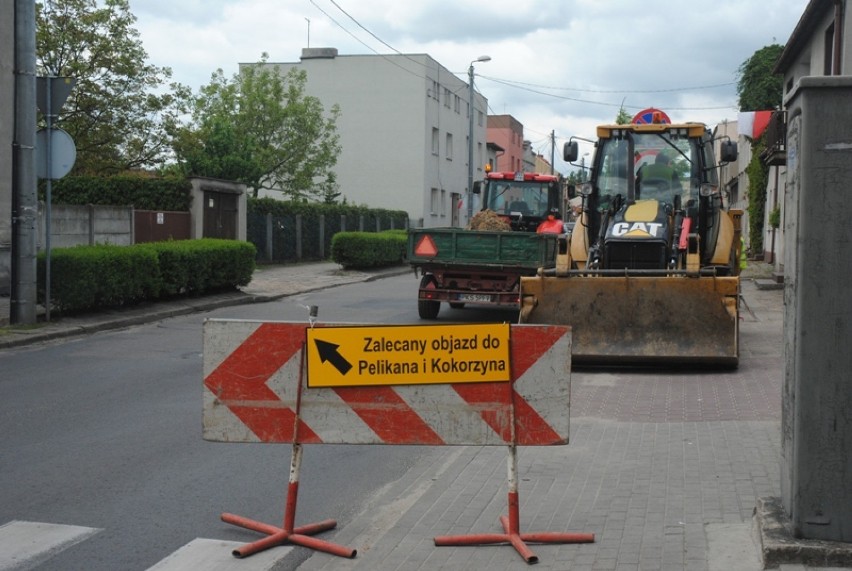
x=604, y=104
x=521, y=85
x=627, y=91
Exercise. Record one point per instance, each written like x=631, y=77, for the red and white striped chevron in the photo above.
x=251, y=377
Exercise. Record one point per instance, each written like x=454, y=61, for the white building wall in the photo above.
x=810, y=60
x=389, y=107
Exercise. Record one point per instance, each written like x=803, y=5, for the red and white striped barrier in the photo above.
x=252, y=371
x=258, y=389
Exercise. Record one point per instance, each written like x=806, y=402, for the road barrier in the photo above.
x=484, y=384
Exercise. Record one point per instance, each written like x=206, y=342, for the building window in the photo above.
x=479, y=158
x=479, y=118
x=447, y=98
x=828, y=62
x=443, y=210
x=435, y=204
x=435, y=94
x=449, y=146
x=435, y=142
x=458, y=104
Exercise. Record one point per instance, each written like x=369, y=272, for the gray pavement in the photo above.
x=666, y=468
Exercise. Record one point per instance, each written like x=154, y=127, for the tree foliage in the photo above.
x=757, y=87
x=758, y=176
x=623, y=117
x=117, y=111
x=261, y=128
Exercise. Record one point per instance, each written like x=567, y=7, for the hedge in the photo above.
x=369, y=249
x=171, y=194
x=88, y=277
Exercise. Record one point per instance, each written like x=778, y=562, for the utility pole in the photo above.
x=470, y=136
x=22, y=309
x=552, y=150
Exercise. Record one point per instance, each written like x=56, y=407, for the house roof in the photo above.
x=802, y=33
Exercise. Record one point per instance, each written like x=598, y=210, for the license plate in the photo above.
x=480, y=297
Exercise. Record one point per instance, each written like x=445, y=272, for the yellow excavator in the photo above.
x=650, y=272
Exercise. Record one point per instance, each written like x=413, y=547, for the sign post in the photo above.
x=50, y=97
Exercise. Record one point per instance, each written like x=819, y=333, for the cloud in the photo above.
x=556, y=66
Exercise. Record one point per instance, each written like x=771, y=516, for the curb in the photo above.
x=779, y=547
x=156, y=311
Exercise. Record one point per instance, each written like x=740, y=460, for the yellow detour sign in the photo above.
x=407, y=355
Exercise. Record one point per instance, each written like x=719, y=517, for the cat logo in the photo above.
x=636, y=229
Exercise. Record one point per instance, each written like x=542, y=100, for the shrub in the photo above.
x=368, y=249
x=105, y=275
x=87, y=277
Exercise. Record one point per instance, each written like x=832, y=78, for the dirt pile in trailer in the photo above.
x=488, y=220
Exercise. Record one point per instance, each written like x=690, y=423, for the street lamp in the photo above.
x=470, y=138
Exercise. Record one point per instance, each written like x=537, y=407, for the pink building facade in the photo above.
x=508, y=133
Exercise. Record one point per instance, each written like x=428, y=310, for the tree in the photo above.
x=117, y=111
x=758, y=88
x=623, y=117
x=262, y=129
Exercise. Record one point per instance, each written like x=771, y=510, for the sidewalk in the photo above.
x=268, y=283
x=669, y=470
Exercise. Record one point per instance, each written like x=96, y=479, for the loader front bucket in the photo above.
x=666, y=320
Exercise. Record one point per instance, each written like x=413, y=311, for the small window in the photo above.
x=435, y=204
x=449, y=146
x=458, y=104
x=828, y=62
x=435, y=142
x=447, y=97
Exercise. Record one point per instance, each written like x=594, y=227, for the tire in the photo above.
x=427, y=309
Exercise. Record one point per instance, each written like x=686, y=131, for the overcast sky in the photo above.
x=563, y=66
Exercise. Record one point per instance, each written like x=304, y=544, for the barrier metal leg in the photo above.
x=511, y=526
x=288, y=533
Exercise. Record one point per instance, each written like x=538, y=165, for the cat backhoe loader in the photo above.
x=650, y=272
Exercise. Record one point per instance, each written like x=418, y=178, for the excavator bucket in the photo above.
x=663, y=320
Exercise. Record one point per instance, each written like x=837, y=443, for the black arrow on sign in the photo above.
x=328, y=352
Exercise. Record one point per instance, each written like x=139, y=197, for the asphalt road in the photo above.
x=104, y=432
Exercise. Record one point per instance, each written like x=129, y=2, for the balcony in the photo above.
x=775, y=153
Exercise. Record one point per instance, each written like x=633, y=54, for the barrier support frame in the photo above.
x=511, y=523
x=288, y=533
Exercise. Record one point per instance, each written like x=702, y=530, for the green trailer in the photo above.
x=477, y=267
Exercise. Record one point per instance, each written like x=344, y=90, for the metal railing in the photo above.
x=775, y=152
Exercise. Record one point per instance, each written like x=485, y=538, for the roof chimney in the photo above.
x=319, y=53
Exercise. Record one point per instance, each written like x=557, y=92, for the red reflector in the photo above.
x=684, y=233
x=426, y=247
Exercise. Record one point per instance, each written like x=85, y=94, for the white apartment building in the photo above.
x=403, y=130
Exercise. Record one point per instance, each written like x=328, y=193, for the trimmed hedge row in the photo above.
x=369, y=249
x=87, y=277
x=143, y=193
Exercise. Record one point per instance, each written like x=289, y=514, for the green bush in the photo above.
x=369, y=249
x=89, y=277
x=143, y=193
